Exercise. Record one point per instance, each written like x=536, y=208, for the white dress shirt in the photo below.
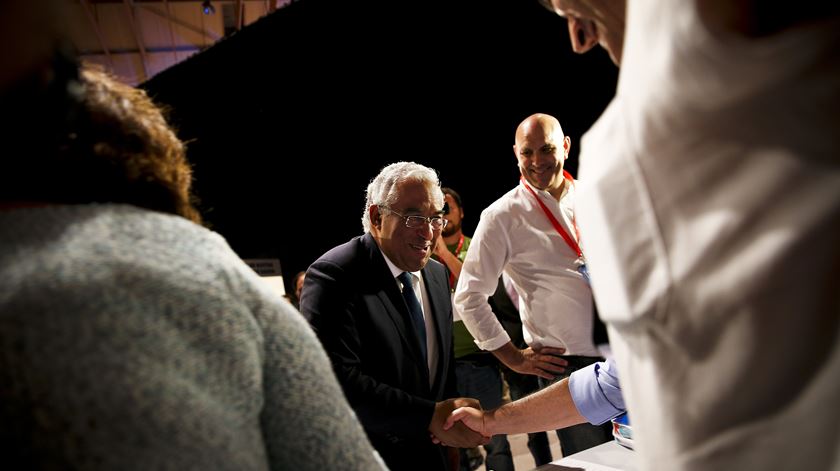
x=514, y=235
x=710, y=204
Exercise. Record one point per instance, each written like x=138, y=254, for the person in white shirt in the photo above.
x=531, y=235
x=710, y=204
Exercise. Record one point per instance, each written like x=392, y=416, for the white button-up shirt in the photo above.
x=709, y=205
x=555, y=302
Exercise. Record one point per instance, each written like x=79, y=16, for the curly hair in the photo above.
x=109, y=144
x=133, y=136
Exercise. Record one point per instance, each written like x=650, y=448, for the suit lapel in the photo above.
x=436, y=288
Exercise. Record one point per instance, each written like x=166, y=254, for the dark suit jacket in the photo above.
x=358, y=312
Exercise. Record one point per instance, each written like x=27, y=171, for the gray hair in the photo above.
x=382, y=190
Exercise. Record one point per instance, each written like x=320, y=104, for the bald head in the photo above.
x=538, y=122
x=541, y=149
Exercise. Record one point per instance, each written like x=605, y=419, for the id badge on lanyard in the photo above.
x=583, y=270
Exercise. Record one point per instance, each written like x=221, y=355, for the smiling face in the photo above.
x=541, y=149
x=408, y=248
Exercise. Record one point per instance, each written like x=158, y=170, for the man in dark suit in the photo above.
x=383, y=313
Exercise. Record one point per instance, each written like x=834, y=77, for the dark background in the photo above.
x=289, y=119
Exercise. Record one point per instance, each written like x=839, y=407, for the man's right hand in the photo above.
x=459, y=435
x=475, y=419
x=544, y=362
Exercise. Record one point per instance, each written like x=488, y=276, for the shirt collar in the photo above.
x=395, y=271
x=568, y=190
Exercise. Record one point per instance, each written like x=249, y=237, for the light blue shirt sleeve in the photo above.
x=596, y=392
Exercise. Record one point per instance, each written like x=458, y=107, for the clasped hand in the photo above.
x=457, y=434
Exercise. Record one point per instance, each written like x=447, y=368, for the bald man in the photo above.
x=530, y=234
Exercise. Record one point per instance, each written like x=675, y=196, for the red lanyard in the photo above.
x=457, y=252
x=554, y=222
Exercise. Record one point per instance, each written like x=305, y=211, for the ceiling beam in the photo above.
x=205, y=34
x=149, y=50
x=239, y=14
x=95, y=25
x=129, y=8
x=171, y=32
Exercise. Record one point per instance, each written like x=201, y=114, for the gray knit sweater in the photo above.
x=131, y=339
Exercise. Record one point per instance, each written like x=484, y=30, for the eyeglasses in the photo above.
x=416, y=222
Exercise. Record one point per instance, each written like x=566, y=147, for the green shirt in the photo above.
x=464, y=341
x=463, y=253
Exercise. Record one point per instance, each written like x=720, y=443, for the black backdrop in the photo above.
x=289, y=119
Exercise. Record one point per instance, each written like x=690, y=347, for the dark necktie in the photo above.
x=414, y=310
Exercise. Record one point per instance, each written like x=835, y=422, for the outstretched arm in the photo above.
x=549, y=409
x=591, y=394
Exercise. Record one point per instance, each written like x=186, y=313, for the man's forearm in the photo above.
x=549, y=409
x=509, y=355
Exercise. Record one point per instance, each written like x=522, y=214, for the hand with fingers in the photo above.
x=474, y=419
x=440, y=248
x=456, y=435
x=544, y=362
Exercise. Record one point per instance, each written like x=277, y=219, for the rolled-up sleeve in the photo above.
x=479, y=278
x=596, y=392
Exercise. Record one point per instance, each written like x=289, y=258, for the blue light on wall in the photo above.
x=208, y=7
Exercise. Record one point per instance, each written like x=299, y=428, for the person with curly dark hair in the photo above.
x=131, y=337
x=114, y=146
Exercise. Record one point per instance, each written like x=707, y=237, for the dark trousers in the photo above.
x=483, y=381
x=579, y=437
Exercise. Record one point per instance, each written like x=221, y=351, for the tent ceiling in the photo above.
x=136, y=39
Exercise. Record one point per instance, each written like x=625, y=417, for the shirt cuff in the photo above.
x=596, y=392
x=495, y=343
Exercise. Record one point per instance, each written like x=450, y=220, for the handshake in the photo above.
x=459, y=423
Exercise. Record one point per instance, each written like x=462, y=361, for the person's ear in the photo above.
x=582, y=33
x=375, y=216
x=567, y=146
